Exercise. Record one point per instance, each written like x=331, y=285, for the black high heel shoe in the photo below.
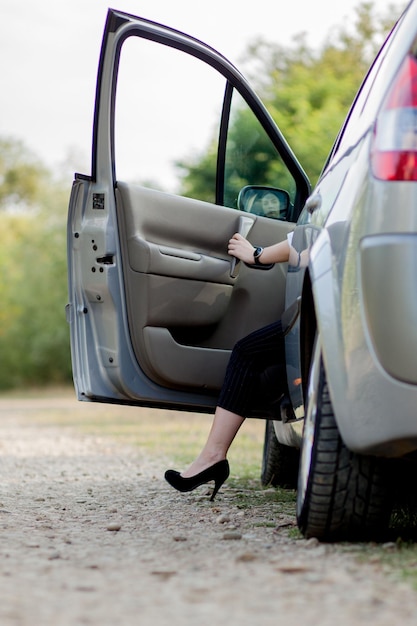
x=219, y=472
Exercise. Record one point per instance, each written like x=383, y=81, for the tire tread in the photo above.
x=347, y=497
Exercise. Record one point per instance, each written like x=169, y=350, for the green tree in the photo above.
x=199, y=175
x=22, y=176
x=34, y=337
x=308, y=92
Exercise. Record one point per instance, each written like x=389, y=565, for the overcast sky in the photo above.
x=50, y=48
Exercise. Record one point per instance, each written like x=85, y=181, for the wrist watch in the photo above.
x=256, y=254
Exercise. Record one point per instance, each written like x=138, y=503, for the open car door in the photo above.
x=155, y=302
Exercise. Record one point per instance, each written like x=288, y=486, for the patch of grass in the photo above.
x=404, y=521
x=397, y=559
x=294, y=533
x=248, y=494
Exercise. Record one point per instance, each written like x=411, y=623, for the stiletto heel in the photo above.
x=219, y=472
x=217, y=485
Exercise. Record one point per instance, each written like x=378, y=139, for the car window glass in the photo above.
x=356, y=123
x=330, y=187
x=167, y=111
x=168, y=108
x=251, y=157
x=366, y=103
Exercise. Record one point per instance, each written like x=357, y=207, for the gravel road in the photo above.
x=92, y=535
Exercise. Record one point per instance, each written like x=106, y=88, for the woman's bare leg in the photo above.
x=223, y=430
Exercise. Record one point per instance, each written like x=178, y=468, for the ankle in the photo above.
x=211, y=458
x=202, y=463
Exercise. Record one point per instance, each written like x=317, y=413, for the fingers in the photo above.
x=240, y=247
x=237, y=238
x=235, y=242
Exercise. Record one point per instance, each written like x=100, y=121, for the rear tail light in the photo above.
x=394, y=149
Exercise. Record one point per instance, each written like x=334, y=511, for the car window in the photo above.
x=165, y=114
x=363, y=110
x=251, y=158
x=168, y=110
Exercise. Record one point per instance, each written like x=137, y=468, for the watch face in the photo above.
x=257, y=252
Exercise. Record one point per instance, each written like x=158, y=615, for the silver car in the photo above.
x=357, y=330
x=156, y=304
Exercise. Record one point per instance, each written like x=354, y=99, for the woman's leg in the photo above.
x=223, y=430
x=249, y=357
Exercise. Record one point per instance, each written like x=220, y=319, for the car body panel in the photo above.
x=362, y=273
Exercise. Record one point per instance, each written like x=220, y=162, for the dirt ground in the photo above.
x=91, y=534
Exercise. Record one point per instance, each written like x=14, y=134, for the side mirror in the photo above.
x=264, y=201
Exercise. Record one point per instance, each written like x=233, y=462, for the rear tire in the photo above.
x=279, y=462
x=341, y=495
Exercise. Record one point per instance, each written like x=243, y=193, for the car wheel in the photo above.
x=341, y=495
x=279, y=462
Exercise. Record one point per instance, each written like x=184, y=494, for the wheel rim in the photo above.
x=309, y=430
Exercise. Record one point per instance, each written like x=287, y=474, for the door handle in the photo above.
x=244, y=226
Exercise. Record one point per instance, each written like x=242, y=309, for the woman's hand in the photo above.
x=240, y=248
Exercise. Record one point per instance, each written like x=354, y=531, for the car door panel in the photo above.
x=173, y=236
x=183, y=303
